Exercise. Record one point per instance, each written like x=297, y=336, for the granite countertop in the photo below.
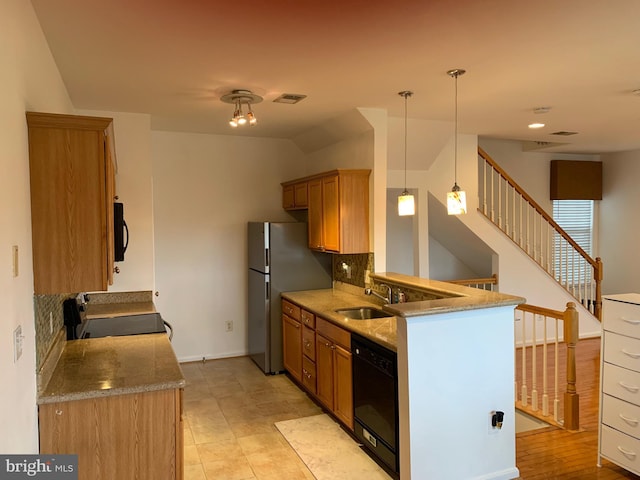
x=453, y=298
x=325, y=302
x=113, y=366
x=105, y=310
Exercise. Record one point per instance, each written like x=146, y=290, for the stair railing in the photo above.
x=513, y=211
x=540, y=352
x=488, y=283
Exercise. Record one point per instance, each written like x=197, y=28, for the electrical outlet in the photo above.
x=50, y=322
x=17, y=343
x=367, y=279
x=228, y=326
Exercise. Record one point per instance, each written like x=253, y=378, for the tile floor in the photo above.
x=230, y=407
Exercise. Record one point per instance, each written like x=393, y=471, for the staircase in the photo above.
x=521, y=219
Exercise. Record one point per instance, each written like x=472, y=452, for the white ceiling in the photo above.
x=173, y=59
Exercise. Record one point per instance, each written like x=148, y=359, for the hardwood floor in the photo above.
x=554, y=453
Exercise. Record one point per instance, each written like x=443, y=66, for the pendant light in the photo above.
x=456, y=198
x=406, y=202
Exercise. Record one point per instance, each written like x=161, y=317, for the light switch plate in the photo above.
x=17, y=343
x=14, y=256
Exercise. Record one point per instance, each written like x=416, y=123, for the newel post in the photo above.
x=597, y=276
x=571, y=398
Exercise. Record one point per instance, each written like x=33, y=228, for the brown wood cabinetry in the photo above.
x=338, y=210
x=130, y=436
x=324, y=357
x=292, y=340
x=295, y=196
x=72, y=172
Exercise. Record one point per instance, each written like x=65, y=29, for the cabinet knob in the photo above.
x=116, y=269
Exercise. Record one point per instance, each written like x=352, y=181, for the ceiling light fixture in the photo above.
x=456, y=198
x=240, y=98
x=536, y=125
x=406, y=202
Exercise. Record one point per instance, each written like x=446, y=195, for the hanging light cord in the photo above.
x=405, y=140
x=455, y=137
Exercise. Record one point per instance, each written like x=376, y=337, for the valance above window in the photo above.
x=575, y=180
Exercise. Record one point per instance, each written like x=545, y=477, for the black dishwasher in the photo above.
x=375, y=399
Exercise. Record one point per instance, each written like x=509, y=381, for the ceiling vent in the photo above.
x=563, y=133
x=290, y=98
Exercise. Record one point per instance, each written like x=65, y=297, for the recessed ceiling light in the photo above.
x=536, y=125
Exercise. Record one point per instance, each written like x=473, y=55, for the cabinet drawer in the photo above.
x=291, y=309
x=621, y=449
x=621, y=383
x=622, y=318
x=340, y=336
x=622, y=351
x=309, y=343
x=308, y=318
x=621, y=415
x=309, y=374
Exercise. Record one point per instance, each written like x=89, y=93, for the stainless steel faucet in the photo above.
x=388, y=298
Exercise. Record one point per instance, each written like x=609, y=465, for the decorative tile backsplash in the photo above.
x=354, y=266
x=48, y=312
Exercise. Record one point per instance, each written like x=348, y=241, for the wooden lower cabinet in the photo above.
x=131, y=436
x=317, y=353
x=334, y=378
x=292, y=346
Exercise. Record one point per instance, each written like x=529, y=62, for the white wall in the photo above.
x=29, y=80
x=205, y=190
x=134, y=189
x=619, y=226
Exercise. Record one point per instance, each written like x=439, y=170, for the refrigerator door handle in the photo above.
x=266, y=290
x=266, y=257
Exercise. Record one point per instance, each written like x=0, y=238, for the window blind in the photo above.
x=576, y=218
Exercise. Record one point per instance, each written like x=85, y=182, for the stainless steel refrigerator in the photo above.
x=279, y=261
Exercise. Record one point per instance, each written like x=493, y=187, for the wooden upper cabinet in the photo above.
x=295, y=195
x=338, y=210
x=72, y=175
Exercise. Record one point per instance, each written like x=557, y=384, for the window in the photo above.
x=576, y=218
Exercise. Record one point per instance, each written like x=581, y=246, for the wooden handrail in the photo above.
x=492, y=280
x=537, y=207
x=596, y=263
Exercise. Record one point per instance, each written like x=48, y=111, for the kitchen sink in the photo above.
x=363, y=313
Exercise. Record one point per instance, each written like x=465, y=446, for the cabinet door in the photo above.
x=288, y=197
x=72, y=185
x=315, y=215
x=343, y=388
x=110, y=198
x=292, y=346
x=331, y=213
x=119, y=436
x=324, y=370
x=301, y=195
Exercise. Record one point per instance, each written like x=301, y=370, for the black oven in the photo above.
x=375, y=400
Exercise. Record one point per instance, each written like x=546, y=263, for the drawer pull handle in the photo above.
x=630, y=354
x=630, y=320
x=631, y=421
x=627, y=453
x=631, y=388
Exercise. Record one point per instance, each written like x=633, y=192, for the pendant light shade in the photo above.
x=456, y=198
x=406, y=202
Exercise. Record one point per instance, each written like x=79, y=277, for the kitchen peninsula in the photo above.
x=455, y=354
